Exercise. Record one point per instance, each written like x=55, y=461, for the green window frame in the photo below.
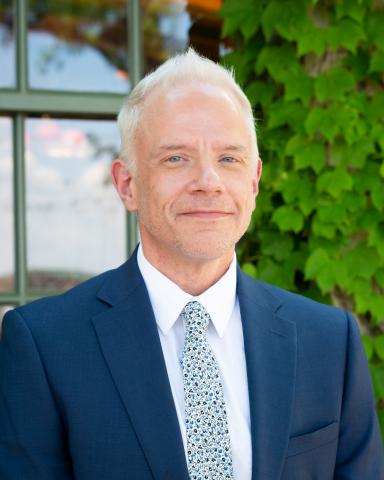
x=17, y=103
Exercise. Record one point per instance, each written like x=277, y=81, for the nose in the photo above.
x=207, y=179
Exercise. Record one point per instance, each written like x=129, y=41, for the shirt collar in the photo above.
x=168, y=299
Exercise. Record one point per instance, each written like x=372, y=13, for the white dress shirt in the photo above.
x=225, y=335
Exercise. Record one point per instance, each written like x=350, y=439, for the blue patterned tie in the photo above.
x=208, y=442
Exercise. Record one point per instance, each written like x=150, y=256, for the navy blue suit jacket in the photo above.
x=84, y=391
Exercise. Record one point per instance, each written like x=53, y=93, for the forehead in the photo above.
x=176, y=94
x=193, y=108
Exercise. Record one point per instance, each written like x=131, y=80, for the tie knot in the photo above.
x=196, y=318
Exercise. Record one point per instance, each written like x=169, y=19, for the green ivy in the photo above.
x=313, y=72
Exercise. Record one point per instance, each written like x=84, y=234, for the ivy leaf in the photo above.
x=298, y=86
x=274, y=273
x=377, y=308
x=252, y=21
x=352, y=202
x=312, y=40
x=374, y=28
x=376, y=238
x=379, y=277
x=300, y=190
x=260, y=93
x=310, y=155
x=346, y=33
x=375, y=108
x=368, y=346
x=350, y=8
x=287, y=218
x=368, y=179
x=322, y=120
x=358, y=63
x=377, y=372
x=241, y=61
x=377, y=62
x=361, y=262
x=293, y=264
x=318, y=266
x=276, y=244
x=382, y=169
x=354, y=155
x=238, y=15
x=335, y=213
x=277, y=60
x=288, y=21
x=368, y=218
x=334, y=182
x=323, y=229
x=333, y=84
x=282, y=113
x=250, y=269
x=379, y=346
x=376, y=136
x=377, y=195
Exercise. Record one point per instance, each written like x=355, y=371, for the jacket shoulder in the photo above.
x=73, y=305
x=294, y=306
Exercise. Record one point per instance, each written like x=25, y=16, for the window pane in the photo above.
x=171, y=26
x=7, y=265
x=75, y=220
x=7, y=46
x=3, y=310
x=78, y=46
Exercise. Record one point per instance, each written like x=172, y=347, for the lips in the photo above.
x=206, y=214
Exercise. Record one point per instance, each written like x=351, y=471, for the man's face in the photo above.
x=196, y=182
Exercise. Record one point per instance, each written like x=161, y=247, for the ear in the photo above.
x=124, y=184
x=256, y=178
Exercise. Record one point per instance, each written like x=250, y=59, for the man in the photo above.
x=177, y=365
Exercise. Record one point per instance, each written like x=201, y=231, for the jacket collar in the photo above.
x=270, y=350
x=130, y=344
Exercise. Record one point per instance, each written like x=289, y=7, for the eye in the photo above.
x=174, y=159
x=228, y=159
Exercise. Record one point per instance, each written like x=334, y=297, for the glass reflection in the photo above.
x=7, y=262
x=7, y=46
x=3, y=310
x=78, y=46
x=170, y=26
x=75, y=220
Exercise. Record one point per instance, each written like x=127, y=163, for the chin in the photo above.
x=203, y=248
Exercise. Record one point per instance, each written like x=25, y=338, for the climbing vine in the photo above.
x=313, y=72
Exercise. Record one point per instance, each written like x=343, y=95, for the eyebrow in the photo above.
x=171, y=147
x=176, y=146
x=234, y=148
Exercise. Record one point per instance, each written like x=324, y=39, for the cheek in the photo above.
x=244, y=195
x=153, y=199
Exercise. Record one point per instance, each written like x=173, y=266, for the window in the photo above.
x=65, y=68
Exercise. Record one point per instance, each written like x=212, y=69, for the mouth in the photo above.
x=206, y=214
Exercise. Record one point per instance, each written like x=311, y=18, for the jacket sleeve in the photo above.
x=32, y=436
x=360, y=451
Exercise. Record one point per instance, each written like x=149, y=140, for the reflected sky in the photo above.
x=78, y=46
x=7, y=57
x=6, y=206
x=75, y=220
x=55, y=64
x=165, y=29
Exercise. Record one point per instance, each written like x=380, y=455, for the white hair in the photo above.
x=182, y=69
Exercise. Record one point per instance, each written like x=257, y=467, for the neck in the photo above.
x=192, y=275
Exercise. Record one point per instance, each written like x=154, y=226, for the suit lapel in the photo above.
x=130, y=343
x=131, y=347
x=270, y=350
